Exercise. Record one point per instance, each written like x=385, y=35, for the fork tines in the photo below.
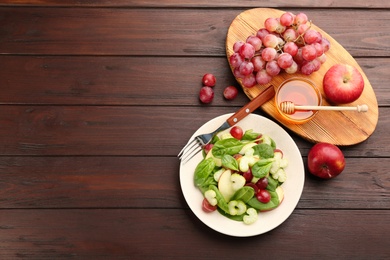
x=190, y=150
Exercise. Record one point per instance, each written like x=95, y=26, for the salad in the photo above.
x=241, y=174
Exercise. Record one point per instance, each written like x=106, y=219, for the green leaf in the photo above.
x=229, y=162
x=263, y=150
x=244, y=194
x=203, y=171
x=250, y=135
x=235, y=217
x=230, y=146
x=272, y=184
x=273, y=203
x=261, y=168
x=222, y=204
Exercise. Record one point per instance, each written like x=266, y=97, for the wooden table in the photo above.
x=97, y=99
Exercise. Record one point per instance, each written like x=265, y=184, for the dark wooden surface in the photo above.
x=98, y=98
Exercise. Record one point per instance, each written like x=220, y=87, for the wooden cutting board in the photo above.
x=336, y=127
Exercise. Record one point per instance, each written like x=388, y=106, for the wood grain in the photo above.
x=98, y=97
x=123, y=130
x=127, y=31
x=193, y=3
x=336, y=127
x=101, y=80
x=143, y=233
x=67, y=182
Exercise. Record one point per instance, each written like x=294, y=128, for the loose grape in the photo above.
x=209, y=80
x=230, y=92
x=206, y=94
x=262, y=183
x=263, y=196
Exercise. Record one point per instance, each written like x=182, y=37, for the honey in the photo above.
x=300, y=92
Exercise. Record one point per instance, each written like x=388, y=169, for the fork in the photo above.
x=195, y=145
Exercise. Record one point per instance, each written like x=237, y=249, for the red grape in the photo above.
x=271, y=24
x=249, y=81
x=287, y=19
x=255, y=42
x=237, y=132
x=272, y=68
x=268, y=54
x=262, y=183
x=236, y=60
x=263, y=196
x=285, y=60
x=309, y=52
x=301, y=18
x=246, y=68
x=287, y=43
x=247, y=51
x=237, y=46
x=209, y=80
x=206, y=94
x=248, y=175
x=291, y=47
x=262, y=77
x=258, y=63
x=230, y=92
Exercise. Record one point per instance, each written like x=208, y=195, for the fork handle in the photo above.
x=255, y=103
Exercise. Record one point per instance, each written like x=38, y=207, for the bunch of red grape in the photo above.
x=287, y=43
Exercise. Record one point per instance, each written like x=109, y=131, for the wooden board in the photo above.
x=339, y=128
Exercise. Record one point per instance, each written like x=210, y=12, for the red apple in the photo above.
x=343, y=84
x=325, y=160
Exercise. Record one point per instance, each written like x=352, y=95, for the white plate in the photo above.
x=267, y=220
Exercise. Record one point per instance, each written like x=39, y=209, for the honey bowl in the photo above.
x=300, y=91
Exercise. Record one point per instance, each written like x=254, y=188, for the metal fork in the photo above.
x=195, y=145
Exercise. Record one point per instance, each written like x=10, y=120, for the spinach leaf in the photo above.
x=222, y=204
x=263, y=150
x=229, y=162
x=203, y=171
x=272, y=184
x=273, y=203
x=235, y=217
x=244, y=194
x=250, y=135
x=261, y=168
x=229, y=146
